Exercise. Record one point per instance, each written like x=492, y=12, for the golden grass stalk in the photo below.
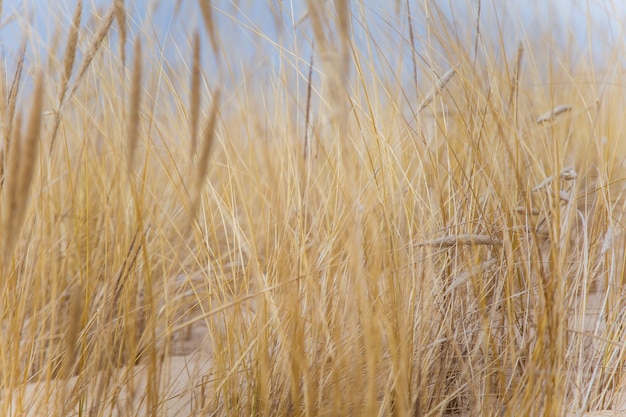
x=307, y=114
x=96, y=42
x=70, y=53
x=196, y=71
x=68, y=64
x=552, y=114
x=516, y=73
x=207, y=15
x=21, y=172
x=342, y=8
x=5, y=139
x=120, y=16
x=132, y=123
x=477, y=36
x=14, y=90
x=89, y=56
x=315, y=17
x=203, y=160
x=11, y=185
x=2, y=162
x=75, y=310
x=409, y=17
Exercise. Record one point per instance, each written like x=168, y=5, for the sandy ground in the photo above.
x=186, y=383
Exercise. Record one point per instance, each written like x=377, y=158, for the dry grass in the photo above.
x=195, y=98
x=378, y=234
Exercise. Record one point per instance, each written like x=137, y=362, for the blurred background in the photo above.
x=583, y=27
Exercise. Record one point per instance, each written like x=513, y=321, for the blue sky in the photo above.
x=568, y=22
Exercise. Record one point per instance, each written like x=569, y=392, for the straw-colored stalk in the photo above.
x=73, y=328
x=89, y=56
x=68, y=64
x=70, y=52
x=23, y=161
x=207, y=15
x=13, y=91
x=132, y=125
x=516, y=73
x=343, y=24
x=195, y=93
x=120, y=16
x=203, y=161
x=307, y=115
x=315, y=17
x=95, y=46
x=409, y=16
x=14, y=153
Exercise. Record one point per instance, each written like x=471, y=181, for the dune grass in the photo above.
x=362, y=232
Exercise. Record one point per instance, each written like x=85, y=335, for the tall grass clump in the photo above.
x=381, y=212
